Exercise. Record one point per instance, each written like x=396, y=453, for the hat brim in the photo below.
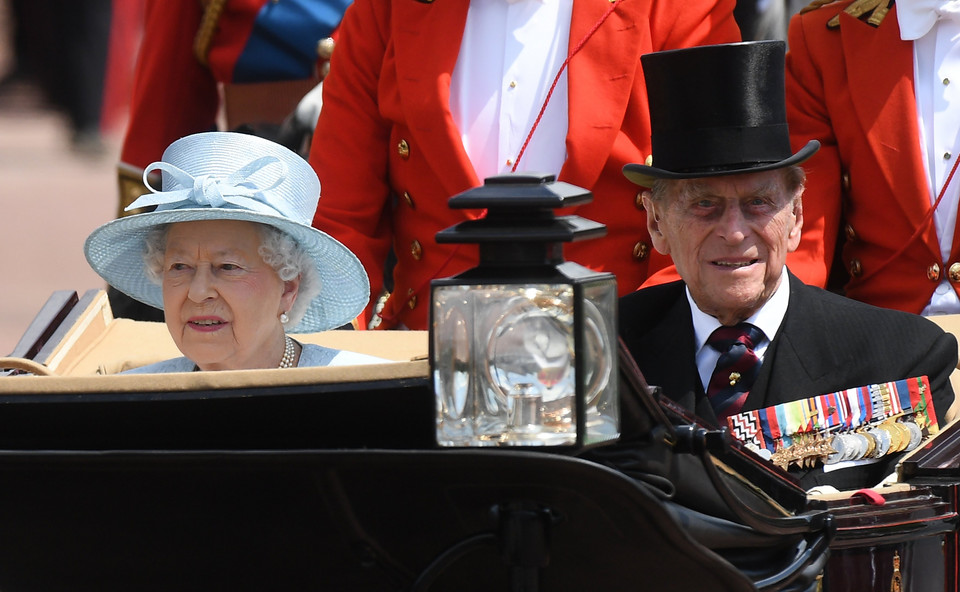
x=115, y=251
x=645, y=175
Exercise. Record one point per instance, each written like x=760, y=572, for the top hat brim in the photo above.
x=645, y=175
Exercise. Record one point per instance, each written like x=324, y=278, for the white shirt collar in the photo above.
x=768, y=319
x=917, y=17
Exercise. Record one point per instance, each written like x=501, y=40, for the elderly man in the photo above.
x=725, y=204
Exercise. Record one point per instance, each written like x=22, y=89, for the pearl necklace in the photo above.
x=289, y=352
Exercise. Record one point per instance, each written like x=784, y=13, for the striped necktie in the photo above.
x=736, y=369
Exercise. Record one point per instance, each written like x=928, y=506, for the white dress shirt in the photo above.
x=934, y=27
x=509, y=56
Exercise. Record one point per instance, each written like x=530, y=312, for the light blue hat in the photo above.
x=233, y=176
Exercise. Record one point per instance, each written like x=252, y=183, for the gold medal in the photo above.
x=871, y=444
x=896, y=438
x=904, y=435
x=861, y=446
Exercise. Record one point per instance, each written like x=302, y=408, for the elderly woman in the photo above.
x=231, y=258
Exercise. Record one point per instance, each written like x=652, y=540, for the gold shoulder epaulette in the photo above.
x=816, y=4
x=873, y=10
x=212, y=9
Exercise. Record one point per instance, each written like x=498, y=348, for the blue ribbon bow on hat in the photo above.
x=213, y=191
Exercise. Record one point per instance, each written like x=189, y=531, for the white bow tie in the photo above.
x=917, y=17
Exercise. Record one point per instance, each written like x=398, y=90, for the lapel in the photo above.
x=600, y=79
x=427, y=42
x=880, y=69
x=666, y=353
x=801, y=360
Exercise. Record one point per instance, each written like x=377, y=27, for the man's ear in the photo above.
x=793, y=239
x=653, y=224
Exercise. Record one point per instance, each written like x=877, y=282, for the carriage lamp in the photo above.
x=522, y=346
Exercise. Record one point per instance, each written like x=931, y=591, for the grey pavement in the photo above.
x=50, y=200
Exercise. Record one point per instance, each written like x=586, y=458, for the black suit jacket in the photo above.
x=826, y=343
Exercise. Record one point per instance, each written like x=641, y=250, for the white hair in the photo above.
x=278, y=249
x=794, y=179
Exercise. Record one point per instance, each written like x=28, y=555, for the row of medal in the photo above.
x=806, y=450
x=853, y=424
x=876, y=441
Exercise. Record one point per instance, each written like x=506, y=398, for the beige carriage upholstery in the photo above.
x=98, y=344
x=951, y=324
x=201, y=381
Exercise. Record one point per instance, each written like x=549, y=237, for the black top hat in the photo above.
x=717, y=110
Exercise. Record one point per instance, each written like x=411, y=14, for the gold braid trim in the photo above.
x=877, y=10
x=208, y=26
x=815, y=5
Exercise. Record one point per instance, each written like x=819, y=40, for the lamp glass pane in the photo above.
x=504, y=364
x=600, y=361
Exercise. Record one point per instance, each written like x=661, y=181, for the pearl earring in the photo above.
x=284, y=319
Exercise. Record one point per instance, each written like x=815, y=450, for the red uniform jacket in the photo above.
x=852, y=88
x=174, y=95
x=389, y=155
